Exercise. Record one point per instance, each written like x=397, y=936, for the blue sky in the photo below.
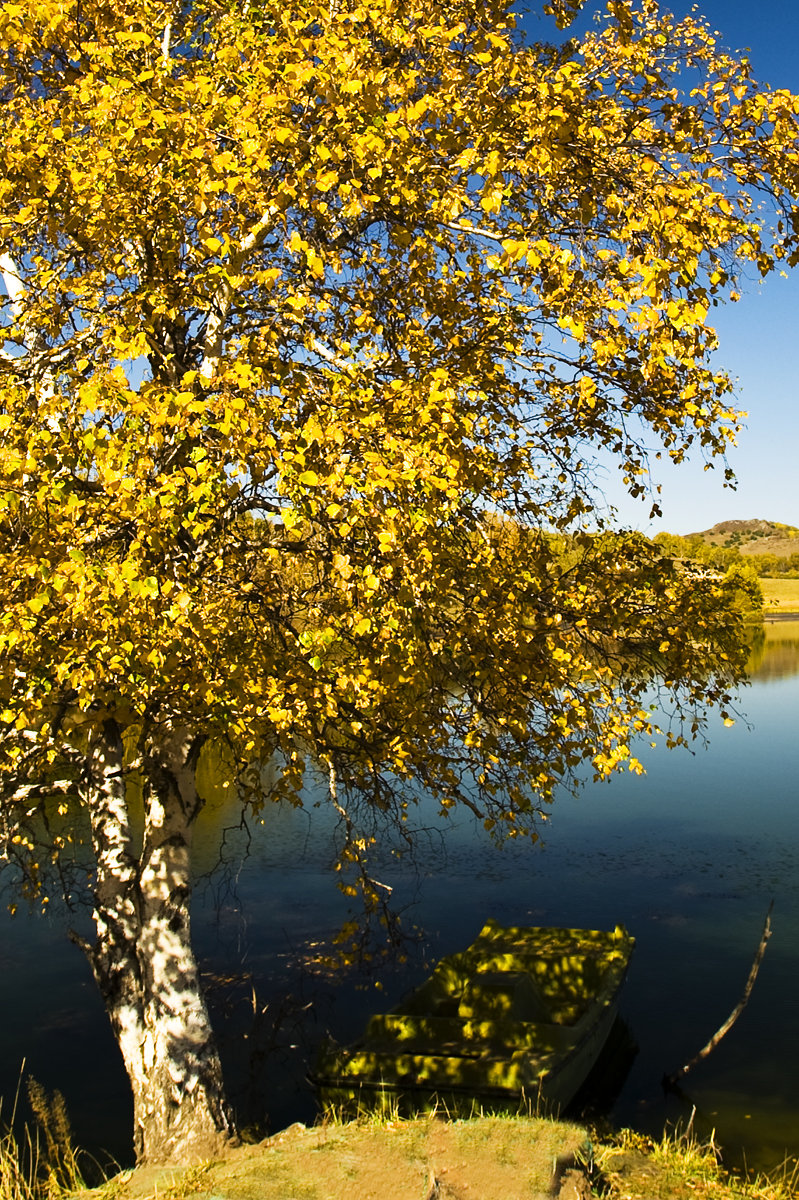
x=759, y=336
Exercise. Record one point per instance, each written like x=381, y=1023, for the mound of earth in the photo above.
x=425, y=1159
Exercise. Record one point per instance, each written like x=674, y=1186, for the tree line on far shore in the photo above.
x=721, y=558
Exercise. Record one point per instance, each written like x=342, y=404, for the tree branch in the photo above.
x=13, y=284
x=670, y=1080
x=41, y=791
x=220, y=308
x=165, y=45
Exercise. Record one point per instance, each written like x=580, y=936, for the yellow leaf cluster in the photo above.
x=309, y=318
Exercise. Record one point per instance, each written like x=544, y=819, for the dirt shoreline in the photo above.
x=430, y=1158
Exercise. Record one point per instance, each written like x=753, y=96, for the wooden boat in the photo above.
x=516, y=1020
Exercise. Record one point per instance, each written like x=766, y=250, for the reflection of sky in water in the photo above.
x=687, y=857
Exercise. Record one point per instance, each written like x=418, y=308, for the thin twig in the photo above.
x=671, y=1080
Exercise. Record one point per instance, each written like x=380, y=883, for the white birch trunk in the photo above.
x=143, y=960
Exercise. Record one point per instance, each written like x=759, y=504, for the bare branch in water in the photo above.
x=669, y=1081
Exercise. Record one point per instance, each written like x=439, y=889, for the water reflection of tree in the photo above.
x=774, y=652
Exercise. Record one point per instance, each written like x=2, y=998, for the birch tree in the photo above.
x=316, y=318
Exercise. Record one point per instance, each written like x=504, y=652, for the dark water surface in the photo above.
x=687, y=857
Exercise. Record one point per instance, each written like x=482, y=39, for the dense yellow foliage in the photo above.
x=308, y=306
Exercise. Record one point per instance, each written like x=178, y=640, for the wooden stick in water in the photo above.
x=671, y=1080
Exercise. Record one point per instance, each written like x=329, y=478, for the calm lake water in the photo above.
x=687, y=857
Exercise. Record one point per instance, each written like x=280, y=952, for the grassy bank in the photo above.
x=485, y=1158
x=633, y=1167
x=780, y=595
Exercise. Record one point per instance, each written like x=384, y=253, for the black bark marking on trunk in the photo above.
x=142, y=958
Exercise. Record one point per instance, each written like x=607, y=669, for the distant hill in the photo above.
x=752, y=537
